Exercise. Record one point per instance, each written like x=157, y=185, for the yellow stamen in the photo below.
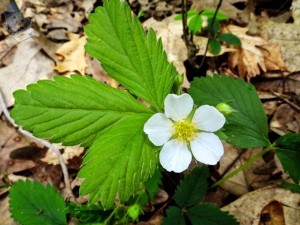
x=184, y=131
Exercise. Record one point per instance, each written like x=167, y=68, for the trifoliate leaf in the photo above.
x=230, y=39
x=209, y=214
x=210, y=14
x=31, y=204
x=288, y=152
x=192, y=188
x=80, y=110
x=174, y=217
x=214, y=46
x=134, y=59
x=246, y=128
x=195, y=24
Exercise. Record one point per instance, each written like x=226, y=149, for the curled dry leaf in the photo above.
x=249, y=208
x=254, y=55
x=72, y=55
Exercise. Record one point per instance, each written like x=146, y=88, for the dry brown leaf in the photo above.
x=68, y=153
x=254, y=55
x=248, y=58
x=72, y=55
x=29, y=65
x=286, y=119
x=272, y=214
x=248, y=208
x=273, y=58
x=5, y=218
x=253, y=177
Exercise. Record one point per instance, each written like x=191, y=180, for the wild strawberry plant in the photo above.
x=126, y=139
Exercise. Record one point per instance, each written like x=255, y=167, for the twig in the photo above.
x=43, y=142
x=191, y=47
x=210, y=31
x=286, y=100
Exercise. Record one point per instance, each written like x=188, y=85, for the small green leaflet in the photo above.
x=188, y=196
x=287, y=148
x=32, y=203
x=209, y=214
x=246, y=128
x=134, y=59
x=81, y=110
x=193, y=188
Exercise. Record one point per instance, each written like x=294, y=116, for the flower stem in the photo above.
x=244, y=166
x=112, y=214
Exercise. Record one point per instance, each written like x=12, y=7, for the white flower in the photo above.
x=184, y=129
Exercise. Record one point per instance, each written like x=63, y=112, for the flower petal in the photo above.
x=207, y=148
x=208, y=118
x=159, y=129
x=175, y=156
x=178, y=107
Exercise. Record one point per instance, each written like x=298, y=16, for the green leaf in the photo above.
x=134, y=59
x=210, y=13
x=174, y=217
x=195, y=24
x=246, y=128
x=118, y=162
x=288, y=152
x=81, y=110
x=213, y=27
x=192, y=188
x=31, y=203
x=292, y=187
x=214, y=46
x=190, y=14
x=209, y=214
x=151, y=187
x=73, y=111
x=230, y=39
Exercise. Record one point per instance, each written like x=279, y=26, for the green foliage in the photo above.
x=193, y=188
x=195, y=24
x=209, y=13
x=174, y=216
x=292, y=187
x=245, y=128
x=287, y=148
x=151, y=187
x=209, y=214
x=88, y=214
x=134, y=59
x=188, y=195
x=32, y=204
x=111, y=120
x=214, y=46
x=230, y=39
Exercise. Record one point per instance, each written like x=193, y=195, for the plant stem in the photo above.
x=112, y=213
x=244, y=166
x=210, y=31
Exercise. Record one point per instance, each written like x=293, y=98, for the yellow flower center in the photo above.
x=184, y=131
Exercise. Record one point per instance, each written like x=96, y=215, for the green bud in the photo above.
x=135, y=211
x=225, y=109
x=179, y=80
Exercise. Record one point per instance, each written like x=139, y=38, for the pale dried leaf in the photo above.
x=248, y=208
x=29, y=65
x=72, y=55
